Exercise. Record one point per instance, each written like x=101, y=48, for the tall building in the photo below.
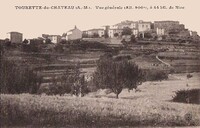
x=144, y=26
x=16, y=37
x=168, y=25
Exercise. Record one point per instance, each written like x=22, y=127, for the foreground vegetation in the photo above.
x=188, y=96
x=34, y=110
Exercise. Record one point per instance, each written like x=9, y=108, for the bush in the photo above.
x=59, y=48
x=84, y=45
x=154, y=75
x=187, y=96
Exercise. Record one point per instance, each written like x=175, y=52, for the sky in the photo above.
x=34, y=23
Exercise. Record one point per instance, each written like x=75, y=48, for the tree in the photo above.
x=106, y=34
x=85, y=35
x=126, y=31
x=116, y=35
x=78, y=87
x=116, y=75
x=63, y=41
x=95, y=35
x=15, y=79
x=35, y=45
x=147, y=35
x=48, y=41
x=25, y=41
x=1, y=51
x=59, y=48
x=133, y=39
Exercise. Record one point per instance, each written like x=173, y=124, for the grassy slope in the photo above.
x=150, y=107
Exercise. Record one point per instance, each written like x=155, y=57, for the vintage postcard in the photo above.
x=99, y=63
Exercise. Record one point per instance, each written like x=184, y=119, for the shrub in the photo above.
x=189, y=76
x=59, y=48
x=187, y=96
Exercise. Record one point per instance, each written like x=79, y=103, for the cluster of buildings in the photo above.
x=73, y=34
x=139, y=28
x=158, y=29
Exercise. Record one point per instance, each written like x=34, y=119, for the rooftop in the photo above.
x=72, y=29
x=166, y=21
x=95, y=29
x=126, y=22
x=13, y=32
x=141, y=21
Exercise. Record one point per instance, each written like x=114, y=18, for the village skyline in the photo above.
x=26, y=36
x=33, y=23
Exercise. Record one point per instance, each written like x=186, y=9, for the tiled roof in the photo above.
x=71, y=30
x=95, y=29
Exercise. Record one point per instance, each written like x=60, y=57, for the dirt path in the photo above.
x=162, y=61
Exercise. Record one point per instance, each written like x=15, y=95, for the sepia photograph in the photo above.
x=99, y=63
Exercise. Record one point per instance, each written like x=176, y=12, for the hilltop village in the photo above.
x=141, y=30
x=163, y=45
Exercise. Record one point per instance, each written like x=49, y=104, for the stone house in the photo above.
x=74, y=34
